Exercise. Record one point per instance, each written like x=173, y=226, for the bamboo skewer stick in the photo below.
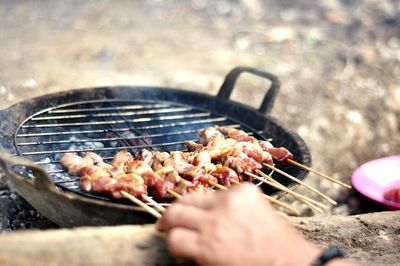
x=279, y=186
x=154, y=203
x=273, y=200
x=175, y=194
x=283, y=205
x=268, y=177
x=215, y=184
x=301, y=183
x=317, y=206
x=141, y=204
x=319, y=173
x=310, y=202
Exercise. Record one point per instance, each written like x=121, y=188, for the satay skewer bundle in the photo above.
x=216, y=162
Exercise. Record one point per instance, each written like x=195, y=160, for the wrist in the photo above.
x=306, y=254
x=340, y=262
x=328, y=257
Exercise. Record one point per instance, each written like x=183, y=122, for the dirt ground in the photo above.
x=339, y=62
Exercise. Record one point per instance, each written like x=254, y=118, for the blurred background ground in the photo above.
x=339, y=62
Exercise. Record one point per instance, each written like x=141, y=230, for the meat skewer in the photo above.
x=280, y=154
x=306, y=200
x=217, y=162
x=273, y=200
x=141, y=204
x=221, y=187
x=301, y=183
x=155, y=203
x=173, y=193
x=224, y=173
x=215, y=184
x=139, y=168
x=337, y=181
x=134, y=176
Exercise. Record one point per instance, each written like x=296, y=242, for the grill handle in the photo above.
x=41, y=179
x=230, y=80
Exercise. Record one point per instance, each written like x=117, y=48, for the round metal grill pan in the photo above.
x=107, y=126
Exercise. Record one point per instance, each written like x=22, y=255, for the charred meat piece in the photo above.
x=118, y=163
x=130, y=183
x=208, y=134
x=122, y=157
x=90, y=175
x=237, y=134
x=98, y=161
x=96, y=179
x=201, y=158
x=146, y=156
x=161, y=187
x=241, y=165
x=184, y=186
x=238, y=161
x=280, y=154
x=254, y=151
x=143, y=170
x=74, y=163
x=177, y=162
x=193, y=146
x=204, y=179
x=168, y=173
x=224, y=175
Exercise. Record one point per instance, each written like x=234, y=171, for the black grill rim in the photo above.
x=17, y=113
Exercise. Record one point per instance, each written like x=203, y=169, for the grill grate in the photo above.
x=107, y=126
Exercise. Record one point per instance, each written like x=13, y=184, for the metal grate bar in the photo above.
x=113, y=122
x=134, y=131
x=114, y=108
x=202, y=121
x=55, y=171
x=112, y=138
x=109, y=158
x=165, y=134
x=147, y=112
x=71, y=180
x=108, y=148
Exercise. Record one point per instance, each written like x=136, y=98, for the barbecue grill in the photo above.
x=108, y=119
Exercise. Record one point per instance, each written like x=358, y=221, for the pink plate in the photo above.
x=376, y=177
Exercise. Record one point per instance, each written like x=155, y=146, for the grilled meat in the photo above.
x=224, y=175
x=121, y=158
x=217, y=158
x=75, y=163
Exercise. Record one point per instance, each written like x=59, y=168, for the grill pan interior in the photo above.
x=107, y=126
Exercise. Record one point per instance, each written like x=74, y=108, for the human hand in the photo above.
x=236, y=227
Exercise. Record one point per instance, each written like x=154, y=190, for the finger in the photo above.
x=183, y=242
x=204, y=201
x=247, y=190
x=179, y=215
